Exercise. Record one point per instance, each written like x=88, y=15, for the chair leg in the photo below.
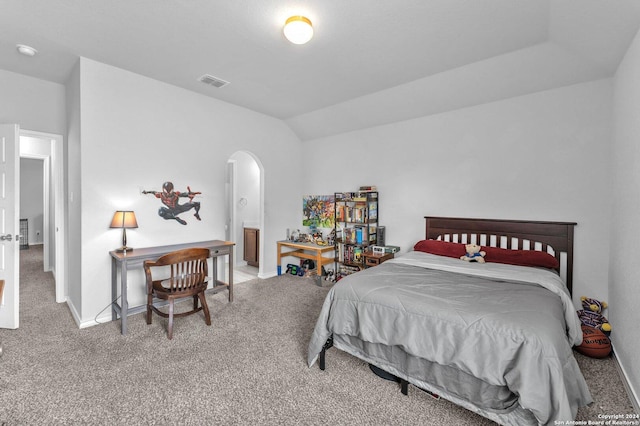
x=205, y=308
x=170, y=330
x=149, y=302
x=195, y=302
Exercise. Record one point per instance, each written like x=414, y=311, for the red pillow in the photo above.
x=441, y=248
x=521, y=257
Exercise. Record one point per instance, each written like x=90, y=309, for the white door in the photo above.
x=9, y=212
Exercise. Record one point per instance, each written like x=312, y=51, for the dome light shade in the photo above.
x=298, y=29
x=26, y=50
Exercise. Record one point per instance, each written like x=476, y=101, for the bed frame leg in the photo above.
x=327, y=345
x=404, y=387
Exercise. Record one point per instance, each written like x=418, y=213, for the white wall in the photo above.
x=32, y=197
x=543, y=156
x=32, y=103
x=135, y=134
x=624, y=276
x=74, y=208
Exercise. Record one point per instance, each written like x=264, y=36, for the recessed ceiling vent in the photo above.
x=213, y=81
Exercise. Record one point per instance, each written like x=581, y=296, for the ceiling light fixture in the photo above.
x=26, y=50
x=298, y=29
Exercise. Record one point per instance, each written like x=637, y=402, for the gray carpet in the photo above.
x=249, y=367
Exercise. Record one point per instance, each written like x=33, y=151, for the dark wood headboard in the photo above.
x=511, y=234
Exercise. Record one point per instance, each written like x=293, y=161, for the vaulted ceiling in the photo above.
x=369, y=63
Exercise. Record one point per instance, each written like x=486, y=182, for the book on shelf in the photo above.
x=373, y=210
x=353, y=214
x=357, y=255
x=345, y=270
x=370, y=188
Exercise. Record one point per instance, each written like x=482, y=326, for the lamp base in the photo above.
x=124, y=249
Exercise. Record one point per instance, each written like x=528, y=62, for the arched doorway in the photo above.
x=245, y=211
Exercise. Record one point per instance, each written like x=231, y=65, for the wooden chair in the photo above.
x=188, y=275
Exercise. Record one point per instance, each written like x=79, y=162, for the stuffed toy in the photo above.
x=591, y=314
x=473, y=253
x=593, y=304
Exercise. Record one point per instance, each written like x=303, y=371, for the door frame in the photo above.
x=55, y=164
x=232, y=200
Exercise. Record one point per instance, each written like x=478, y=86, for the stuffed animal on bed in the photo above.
x=473, y=253
x=591, y=314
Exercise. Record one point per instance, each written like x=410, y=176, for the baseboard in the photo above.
x=102, y=320
x=74, y=313
x=633, y=395
x=265, y=275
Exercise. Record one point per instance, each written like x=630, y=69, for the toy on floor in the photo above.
x=594, y=343
x=294, y=270
x=591, y=314
x=308, y=267
x=328, y=274
x=473, y=254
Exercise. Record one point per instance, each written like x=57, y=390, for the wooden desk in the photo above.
x=306, y=251
x=136, y=257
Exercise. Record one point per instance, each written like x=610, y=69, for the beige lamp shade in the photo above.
x=124, y=219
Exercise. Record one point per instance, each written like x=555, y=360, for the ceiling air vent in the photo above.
x=213, y=81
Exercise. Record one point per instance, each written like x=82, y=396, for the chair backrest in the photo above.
x=188, y=269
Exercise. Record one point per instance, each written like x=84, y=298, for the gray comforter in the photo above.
x=506, y=325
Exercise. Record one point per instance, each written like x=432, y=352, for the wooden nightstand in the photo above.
x=374, y=259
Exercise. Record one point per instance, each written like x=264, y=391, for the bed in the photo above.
x=494, y=337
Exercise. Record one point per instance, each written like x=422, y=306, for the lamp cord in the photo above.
x=104, y=309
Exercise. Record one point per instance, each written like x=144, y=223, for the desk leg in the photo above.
x=214, y=270
x=319, y=268
x=124, y=304
x=231, y=275
x=114, y=287
x=279, y=259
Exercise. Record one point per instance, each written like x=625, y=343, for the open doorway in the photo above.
x=33, y=205
x=41, y=190
x=245, y=207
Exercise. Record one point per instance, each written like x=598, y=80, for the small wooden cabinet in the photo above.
x=252, y=246
x=371, y=259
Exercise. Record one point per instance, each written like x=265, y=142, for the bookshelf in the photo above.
x=356, y=224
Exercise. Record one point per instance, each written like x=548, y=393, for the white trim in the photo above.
x=75, y=315
x=265, y=275
x=633, y=395
x=46, y=228
x=231, y=205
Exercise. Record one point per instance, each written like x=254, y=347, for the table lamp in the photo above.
x=124, y=219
